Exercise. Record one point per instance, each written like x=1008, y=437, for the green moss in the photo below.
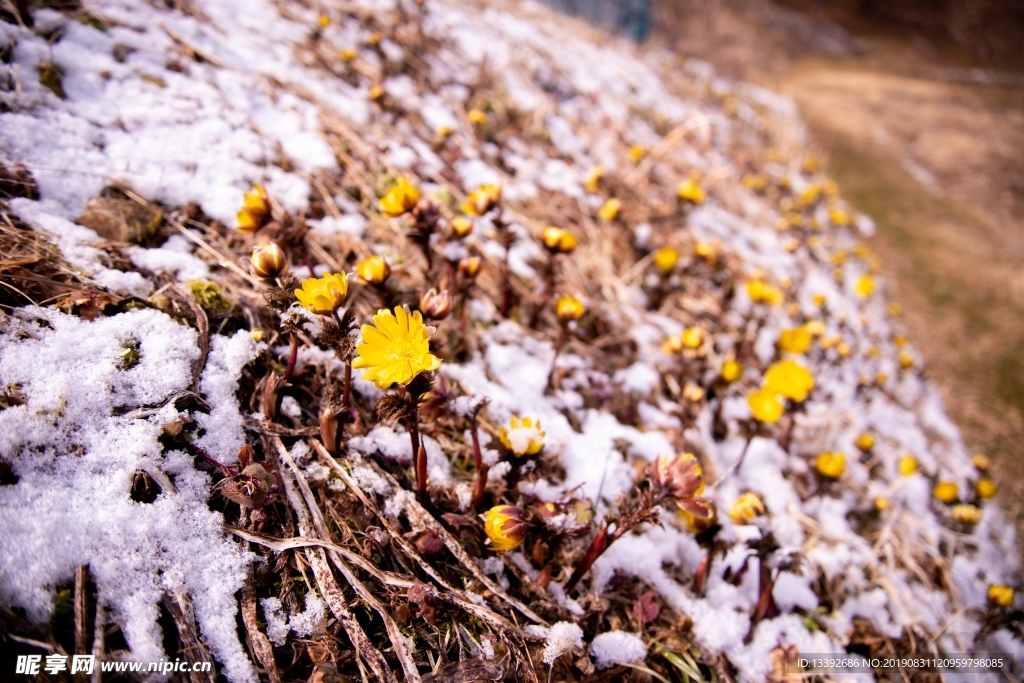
x=209, y=295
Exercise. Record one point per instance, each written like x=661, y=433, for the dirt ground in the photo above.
x=930, y=146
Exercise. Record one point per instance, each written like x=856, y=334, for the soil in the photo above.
x=926, y=142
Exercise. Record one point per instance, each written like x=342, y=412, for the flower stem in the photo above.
x=419, y=453
x=562, y=338
x=597, y=547
x=293, y=354
x=480, y=483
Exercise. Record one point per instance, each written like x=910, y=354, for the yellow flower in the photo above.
x=376, y=92
x=373, y=39
x=790, y=379
x=672, y=345
x=695, y=524
x=400, y=198
x=906, y=360
x=1000, y=595
x=665, y=259
x=865, y=442
x=690, y=191
x=482, y=199
x=477, y=117
x=791, y=245
x=268, y=261
x=558, y=240
x=569, y=308
x=693, y=337
x=594, y=176
x=831, y=465
x=946, y=491
x=986, y=488
x=395, y=349
x=348, y=54
x=811, y=194
x=766, y=405
x=818, y=299
x=255, y=207
x=692, y=392
x=324, y=21
x=864, y=287
x=981, y=461
x=731, y=371
x=760, y=291
x=809, y=165
x=843, y=349
x=636, y=153
x=461, y=226
x=610, y=210
x=746, y=508
x=324, y=295
x=899, y=340
x=815, y=328
x=442, y=132
x=795, y=340
x=522, y=436
x=839, y=217
x=966, y=514
x=907, y=465
x=706, y=250
x=681, y=478
x=470, y=266
x=505, y=526
x=882, y=503
x=373, y=270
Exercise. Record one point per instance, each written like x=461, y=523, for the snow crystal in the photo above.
x=617, y=647
x=563, y=637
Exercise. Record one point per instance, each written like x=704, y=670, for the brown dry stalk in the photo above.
x=260, y=643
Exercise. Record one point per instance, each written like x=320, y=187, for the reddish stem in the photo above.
x=558, y=349
x=346, y=394
x=419, y=454
x=293, y=354
x=597, y=546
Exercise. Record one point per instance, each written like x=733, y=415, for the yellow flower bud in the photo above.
x=731, y=371
x=348, y=54
x=665, y=259
x=693, y=337
x=636, y=153
x=477, y=117
x=324, y=21
x=692, y=392
x=506, y=527
x=323, y=295
x=865, y=286
x=843, y=349
x=672, y=345
x=706, y=251
x=966, y=514
x=558, y=240
x=442, y=132
x=401, y=198
x=1000, y=595
x=882, y=503
x=746, y=508
x=760, y=291
x=689, y=191
x=900, y=341
x=482, y=199
x=268, y=261
x=373, y=39
x=376, y=92
x=986, y=488
x=906, y=360
x=255, y=209
x=907, y=465
x=695, y=524
x=839, y=217
x=795, y=340
x=470, y=266
x=373, y=270
x=461, y=226
x=766, y=405
x=594, y=176
x=436, y=305
x=818, y=299
x=946, y=491
x=522, y=436
x=569, y=308
x=831, y=465
x=609, y=211
x=865, y=442
x=809, y=165
x=981, y=461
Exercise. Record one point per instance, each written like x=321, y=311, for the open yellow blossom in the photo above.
x=864, y=287
x=569, y=308
x=594, y=176
x=907, y=465
x=693, y=337
x=1000, y=595
x=400, y=199
x=762, y=292
x=865, y=441
x=966, y=514
x=981, y=461
x=255, y=207
x=766, y=405
x=636, y=153
x=395, y=349
x=746, y=508
x=830, y=341
x=731, y=371
x=558, y=240
x=373, y=39
x=482, y=199
x=373, y=270
x=323, y=295
x=477, y=117
x=506, y=527
x=818, y=299
x=899, y=340
x=946, y=491
x=689, y=191
x=831, y=465
x=791, y=244
x=795, y=340
x=610, y=210
x=790, y=379
x=986, y=488
x=665, y=259
x=461, y=226
x=522, y=436
x=706, y=250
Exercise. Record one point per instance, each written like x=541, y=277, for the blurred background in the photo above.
x=916, y=108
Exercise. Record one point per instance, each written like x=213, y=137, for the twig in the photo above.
x=81, y=607
x=260, y=644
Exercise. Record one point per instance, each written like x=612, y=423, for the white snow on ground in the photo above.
x=207, y=133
